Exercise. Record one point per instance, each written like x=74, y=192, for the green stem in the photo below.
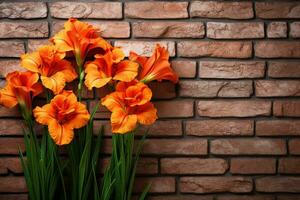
x=79, y=89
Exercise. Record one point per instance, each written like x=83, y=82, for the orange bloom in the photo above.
x=20, y=88
x=109, y=66
x=62, y=115
x=80, y=38
x=48, y=62
x=157, y=67
x=129, y=105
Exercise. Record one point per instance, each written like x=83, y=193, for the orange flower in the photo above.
x=109, y=66
x=62, y=115
x=20, y=88
x=80, y=38
x=48, y=62
x=157, y=67
x=129, y=105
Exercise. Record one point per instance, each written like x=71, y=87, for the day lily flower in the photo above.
x=80, y=38
x=20, y=88
x=130, y=105
x=157, y=67
x=49, y=63
x=110, y=66
x=62, y=115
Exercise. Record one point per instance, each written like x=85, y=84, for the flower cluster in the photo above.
x=78, y=52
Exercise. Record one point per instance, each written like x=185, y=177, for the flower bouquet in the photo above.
x=62, y=162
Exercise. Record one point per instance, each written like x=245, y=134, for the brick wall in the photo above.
x=228, y=131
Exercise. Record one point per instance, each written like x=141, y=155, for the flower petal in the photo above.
x=126, y=71
x=7, y=97
x=44, y=115
x=146, y=114
x=61, y=134
x=31, y=61
x=56, y=83
x=113, y=101
x=121, y=122
x=81, y=118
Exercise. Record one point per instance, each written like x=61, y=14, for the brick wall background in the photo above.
x=228, y=131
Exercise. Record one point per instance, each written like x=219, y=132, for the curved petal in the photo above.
x=59, y=133
x=117, y=55
x=96, y=76
x=31, y=61
x=81, y=117
x=121, y=122
x=56, y=83
x=113, y=101
x=44, y=115
x=146, y=114
x=126, y=71
x=7, y=97
x=67, y=69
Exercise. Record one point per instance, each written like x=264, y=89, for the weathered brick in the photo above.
x=168, y=29
x=215, y=184
x=284, y=69
x=158, y=184
x=184, y=68
x=144, y=48
x=24, y=29
x=253, y=166
x=295, y=29
x=9, y=112
x=107, y=29
x=241, y=30
x=162, y=90
x=25, y=10
x=215, y=88
x=7, y=66
x=156, y=10
x=219, y=127
x=215, y=9
x=193, y=166
x=289, y=166
x=277, y=30
x=12, y=164
x=214, y=49
x=12, y=184
x=33, y=45
x=294, y=146
x=277, y=88
x=288, y=197
x=287, y=108
x=248, y=147
x=175, y=147
x=14, y=196
x=11, y=127
x=231, y=69
x=99, y=10
x=167, y=109
x=277, y=184
x=278, y=127
x=11, y=145
x=16, y=48
x=270, y=10
x=277, y=49
x=181, y=197
x=245, y=197
x=235, y=108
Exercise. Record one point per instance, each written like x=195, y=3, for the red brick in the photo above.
x=253, y=166
x=168, y=29
x=156, y=10
x=107, y=29
x=232, y=69
x=158, y=184
x=184, y=68
x=277, y=88
x=277, y=184
x=295, y=29
x=234, y=108
x=101, y=113
x=7, y=66
x=16, y=48
x=284, y=69
x=9, y=112
x=215, y=88
x=23, y=29
x=14, y=196
x=181, y=197
x=144, y=48
x=167, y=109
x=248, y=147
x=287, y=108
x=12, y=164
x=277, y=30
x=193, y=166
x=99, y=10
x=12, y=184
x=162, y=90
x=277, y=49
x=33, y=45
x=218, y=49
x=26, y=10
x=11, y=146
x=270, y=10
x=219, y=127
x=289, y=166
x=278, y=127
x=175, y=146
x=245, y=197
x=215, y=184
x=294, y=146
x=241, y=30
x=11, y=127
x=215, y=9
